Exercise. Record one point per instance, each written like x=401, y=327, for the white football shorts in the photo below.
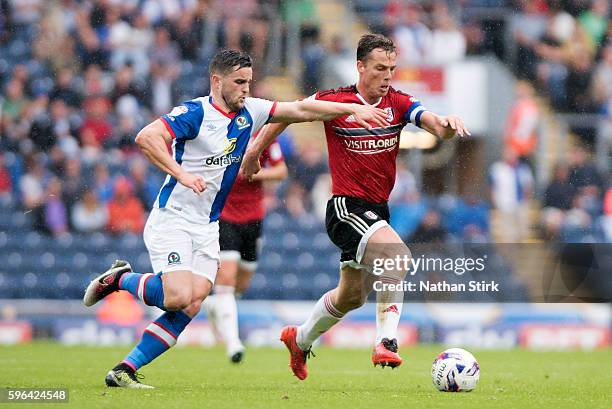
x=174, y=244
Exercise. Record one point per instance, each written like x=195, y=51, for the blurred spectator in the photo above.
x=412, y=37
x=468, y=219
x=310, y=165
x=157, y=11
x=64, y=89
x=40, y=130
x=405, y=183
x=295, y=200
x=447, y=41
x=5, y=20
x=608, y=203
x=145, y=187
x=56, y=161
x=63, y=126
x=130, y=43
x=583, y=173
x=31, y=189
x=73, y=184
x=511, y=190
x=164, y=58
x=6, y=185
x=559, y=192
x=606, y=220
x=313, y=57
x=126, y=84
x=103, y=185
x=557, y=200
x=56, y=216
x=392, y=16
x=430, y=230
x=15, y=103
x=522, y=121
x=577, y=84
x=246, y=21
x=406, y=215
x=339, y=64
x=186, y=32
x=96, y=126
x=90, y=45
x=601, y=86
x=527, y=27
x=555, y=50
x=125, y=212
x=474, y=38
x=595, y=20
x=89, y=215
x=26, y=12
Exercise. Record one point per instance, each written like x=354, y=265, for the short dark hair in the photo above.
x=369, y=42
x=225, y=60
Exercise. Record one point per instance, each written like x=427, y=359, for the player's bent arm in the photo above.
x=267, y=135
x=152, y=140
x=274, y=173
x=444, y=127
x=316, y=110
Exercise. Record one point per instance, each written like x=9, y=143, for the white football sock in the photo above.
x=323, y=317
x=388, y=311
x=226, y=315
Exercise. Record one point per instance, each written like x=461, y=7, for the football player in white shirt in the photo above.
x=209, y=136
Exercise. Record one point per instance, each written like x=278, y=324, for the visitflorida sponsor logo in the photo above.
x=370, y=146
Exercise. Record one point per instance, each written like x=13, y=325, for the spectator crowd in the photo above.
x=80, y=78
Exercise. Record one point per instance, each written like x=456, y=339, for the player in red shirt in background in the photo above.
x=239, y=232
x=362, y=165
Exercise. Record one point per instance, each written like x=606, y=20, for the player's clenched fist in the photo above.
x=193, y=182
x=250, y=164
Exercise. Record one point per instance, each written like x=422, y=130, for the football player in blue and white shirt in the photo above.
x=209, y=136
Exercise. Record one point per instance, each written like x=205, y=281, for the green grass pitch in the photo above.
x=339, y=378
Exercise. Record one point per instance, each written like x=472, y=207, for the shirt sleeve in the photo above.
x=329, y=95
x=262, y=110
x=184, y=121
x=273, y=155
x=411, y=108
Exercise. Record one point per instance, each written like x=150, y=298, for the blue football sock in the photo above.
x=147, y=287
x=157, y=338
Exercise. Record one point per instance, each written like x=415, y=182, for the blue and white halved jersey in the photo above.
x=210, y=143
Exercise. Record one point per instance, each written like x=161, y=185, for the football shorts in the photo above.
x=174, y=244
x=240, y=241
x=350, y=222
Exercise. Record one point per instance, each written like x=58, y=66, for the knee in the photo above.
x=177, y=300
x=193, y=309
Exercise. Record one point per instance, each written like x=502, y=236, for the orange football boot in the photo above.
x=298, y=356
x=385, y=354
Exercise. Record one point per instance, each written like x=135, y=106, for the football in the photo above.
x=455, y=370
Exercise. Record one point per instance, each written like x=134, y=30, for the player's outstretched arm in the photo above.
x=315, y=110
x=267, y=135
x=445, y=127
x=152, y=140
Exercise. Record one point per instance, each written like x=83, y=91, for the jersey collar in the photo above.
x=230, y=115
x=362, y=99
